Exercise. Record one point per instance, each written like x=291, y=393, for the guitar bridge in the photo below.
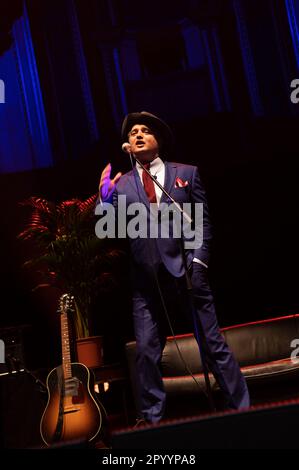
x=73, y=410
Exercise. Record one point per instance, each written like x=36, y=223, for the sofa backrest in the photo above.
x=251, y=343
x=263, y=341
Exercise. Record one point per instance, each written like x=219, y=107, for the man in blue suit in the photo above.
x=158, y=266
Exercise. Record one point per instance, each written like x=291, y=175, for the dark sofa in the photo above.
x=263, y=350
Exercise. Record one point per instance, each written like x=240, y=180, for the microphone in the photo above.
x=126, y=147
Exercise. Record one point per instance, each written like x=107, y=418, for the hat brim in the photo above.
x=155, y=124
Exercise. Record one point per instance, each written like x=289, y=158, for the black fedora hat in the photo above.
x=164, y=133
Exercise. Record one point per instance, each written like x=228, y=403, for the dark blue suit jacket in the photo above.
x=146, y=252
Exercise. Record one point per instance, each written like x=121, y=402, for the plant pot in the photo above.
x=90, y=351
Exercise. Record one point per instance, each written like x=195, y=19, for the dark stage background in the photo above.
x=219, y=72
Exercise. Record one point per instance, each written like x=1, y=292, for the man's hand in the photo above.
x=107, y=185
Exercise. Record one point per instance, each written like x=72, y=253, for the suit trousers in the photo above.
x=151, y=330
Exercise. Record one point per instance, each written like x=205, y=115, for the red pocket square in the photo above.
x=180, y=183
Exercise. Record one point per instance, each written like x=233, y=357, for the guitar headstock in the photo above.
x=66, y=303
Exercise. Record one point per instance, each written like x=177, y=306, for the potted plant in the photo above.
x=69, y=255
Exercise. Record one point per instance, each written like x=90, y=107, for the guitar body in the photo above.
x=72, y=411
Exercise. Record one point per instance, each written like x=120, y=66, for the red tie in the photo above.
x=148, y=184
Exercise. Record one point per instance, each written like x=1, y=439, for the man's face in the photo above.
x=143, y=142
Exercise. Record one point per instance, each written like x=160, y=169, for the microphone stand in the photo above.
x=198, y=328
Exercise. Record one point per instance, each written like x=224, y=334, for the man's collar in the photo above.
x=155, y=165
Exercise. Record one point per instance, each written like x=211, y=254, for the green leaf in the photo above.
x=70, y=256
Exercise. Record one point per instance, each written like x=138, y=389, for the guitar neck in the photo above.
x=65, y=344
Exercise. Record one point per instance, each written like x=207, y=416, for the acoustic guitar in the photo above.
x=72, y=411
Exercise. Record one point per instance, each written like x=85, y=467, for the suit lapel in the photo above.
x=170, y=174
x=138, y=186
